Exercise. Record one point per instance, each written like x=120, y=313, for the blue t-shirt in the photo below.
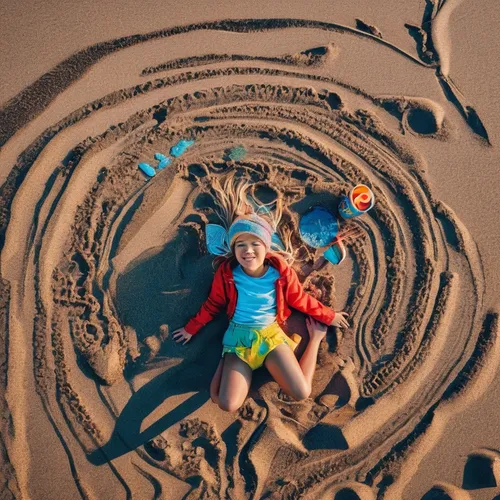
x=256, y=305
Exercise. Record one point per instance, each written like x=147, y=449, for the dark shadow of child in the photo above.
x=166, y=288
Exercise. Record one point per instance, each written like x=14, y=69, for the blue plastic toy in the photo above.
x=164, y=163
x=336, y=253
x=318, y=227
x=147, y=169
x=180, y=147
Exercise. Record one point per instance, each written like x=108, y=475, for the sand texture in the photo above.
x=100, y=263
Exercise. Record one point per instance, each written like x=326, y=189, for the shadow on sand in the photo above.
x=127, y=434
x=167, y=287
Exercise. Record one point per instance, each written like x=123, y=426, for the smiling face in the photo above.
x=250, y=253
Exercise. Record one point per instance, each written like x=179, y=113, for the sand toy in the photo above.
x=164, y=163
x=336, y=253
x=318, y=227
x=147, y=169
x=359, y=200
x=180, y=147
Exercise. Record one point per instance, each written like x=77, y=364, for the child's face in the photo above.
x=250, y=252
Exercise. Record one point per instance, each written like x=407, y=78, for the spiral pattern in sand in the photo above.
x=96, y=256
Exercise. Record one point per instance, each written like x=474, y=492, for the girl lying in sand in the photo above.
x=257, y=287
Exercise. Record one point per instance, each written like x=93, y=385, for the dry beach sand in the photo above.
x=100, y=263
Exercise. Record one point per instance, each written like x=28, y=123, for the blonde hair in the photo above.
x=233, y=199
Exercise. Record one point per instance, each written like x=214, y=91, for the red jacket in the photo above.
x=289, y=292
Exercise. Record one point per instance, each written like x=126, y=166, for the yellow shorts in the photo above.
x=252, y=345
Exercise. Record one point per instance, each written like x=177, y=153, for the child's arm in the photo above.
x=209, y=309
x=297, y=298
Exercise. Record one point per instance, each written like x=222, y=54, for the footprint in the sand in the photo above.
x=194, y=451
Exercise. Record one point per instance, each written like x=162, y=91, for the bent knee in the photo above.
x=300, y=393
x=229, y=405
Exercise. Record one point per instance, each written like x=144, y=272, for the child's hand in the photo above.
x=180, y=335
x=316, y=329
x=340, y=320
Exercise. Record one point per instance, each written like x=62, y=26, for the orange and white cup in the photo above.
x=359, y=200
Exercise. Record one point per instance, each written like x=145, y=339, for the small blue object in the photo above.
x=159, y=156
x=318, y=227
x=336, y=253
x=147, y=169
x=180, y=147
x=164, y=163
x=217, y=240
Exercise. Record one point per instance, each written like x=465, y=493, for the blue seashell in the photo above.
x=164, y=163
x=147, y=169
x=180, y=147
x=318, y=227
x=159, y=156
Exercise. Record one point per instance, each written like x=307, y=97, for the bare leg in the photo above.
x=308, y=361
x=215, y=384
x=295, y=378
x=235, y=383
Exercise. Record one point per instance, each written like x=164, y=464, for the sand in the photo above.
x=99, y=263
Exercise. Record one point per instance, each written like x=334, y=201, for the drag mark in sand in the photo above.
x=120, y=259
